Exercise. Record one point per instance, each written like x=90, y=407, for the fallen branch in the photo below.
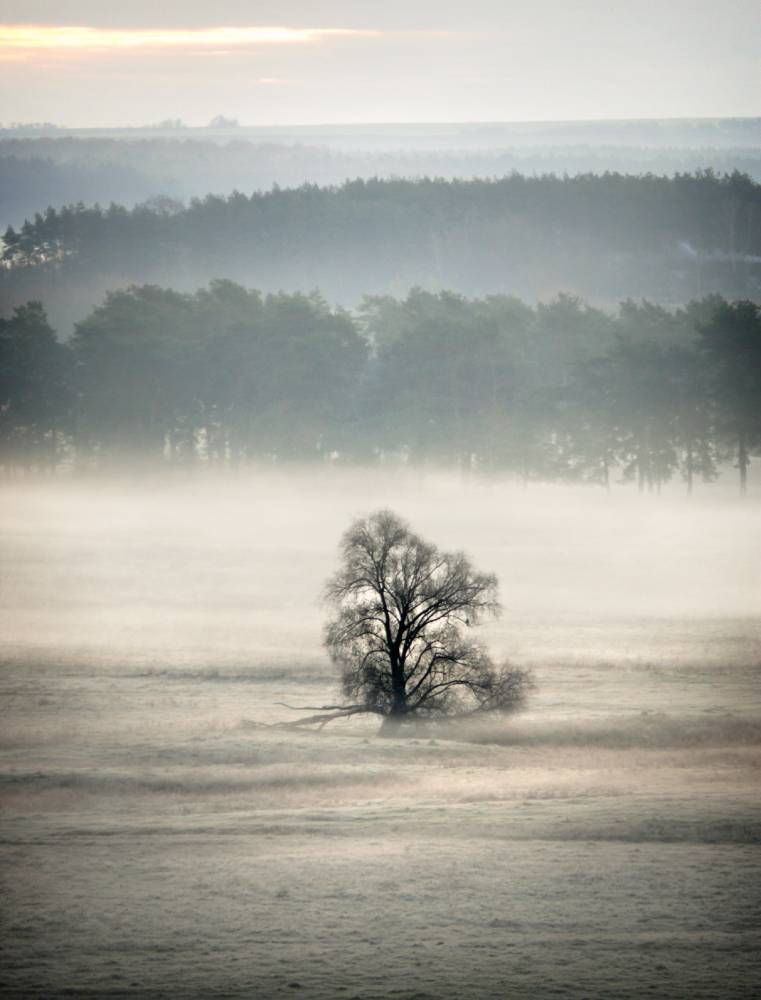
x=327, y=713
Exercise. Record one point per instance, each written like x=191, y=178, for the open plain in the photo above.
x=163, y=836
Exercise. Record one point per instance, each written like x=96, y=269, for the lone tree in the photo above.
x=398, y=633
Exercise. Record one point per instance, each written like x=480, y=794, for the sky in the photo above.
x=99, y=63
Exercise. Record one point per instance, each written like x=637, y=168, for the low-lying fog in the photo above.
x=210, y=571
x=159, y=830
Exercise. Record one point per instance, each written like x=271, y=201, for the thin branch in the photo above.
x=330, y=713
x=316, y=708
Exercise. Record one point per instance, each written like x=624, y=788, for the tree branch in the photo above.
x=327, y=713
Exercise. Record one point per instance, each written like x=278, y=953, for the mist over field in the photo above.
x=152, y=807
x=176, y=553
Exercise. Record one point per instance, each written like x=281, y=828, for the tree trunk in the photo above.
x=733, y=207
x=392, y=724
x=399, y=706
x=53, y=454
x=743, y=461
x=690, y=467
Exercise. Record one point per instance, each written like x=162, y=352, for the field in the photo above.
x=162, y=836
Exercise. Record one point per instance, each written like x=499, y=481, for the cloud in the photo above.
x=36, y=37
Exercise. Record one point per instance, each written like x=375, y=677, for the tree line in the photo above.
x=41, y=171
x=604, y=236
x=227, y=376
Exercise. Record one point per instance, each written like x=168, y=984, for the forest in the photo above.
x=228, y=376
x=603, y=237
x=62, y=169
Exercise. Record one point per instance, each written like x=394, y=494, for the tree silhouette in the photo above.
x=398, y=634
x=35, y=394
x=129, y=371
x=225, y=373
x=731, y=341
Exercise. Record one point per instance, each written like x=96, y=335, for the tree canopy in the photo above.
x=605, y=236
x=398, y=636
x=228, y=376
x=35, y=390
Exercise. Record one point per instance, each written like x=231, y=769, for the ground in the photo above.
x=161, y=835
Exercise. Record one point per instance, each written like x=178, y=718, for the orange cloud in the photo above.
x=27, y=37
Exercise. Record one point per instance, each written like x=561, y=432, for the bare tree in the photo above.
x=398, y=633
